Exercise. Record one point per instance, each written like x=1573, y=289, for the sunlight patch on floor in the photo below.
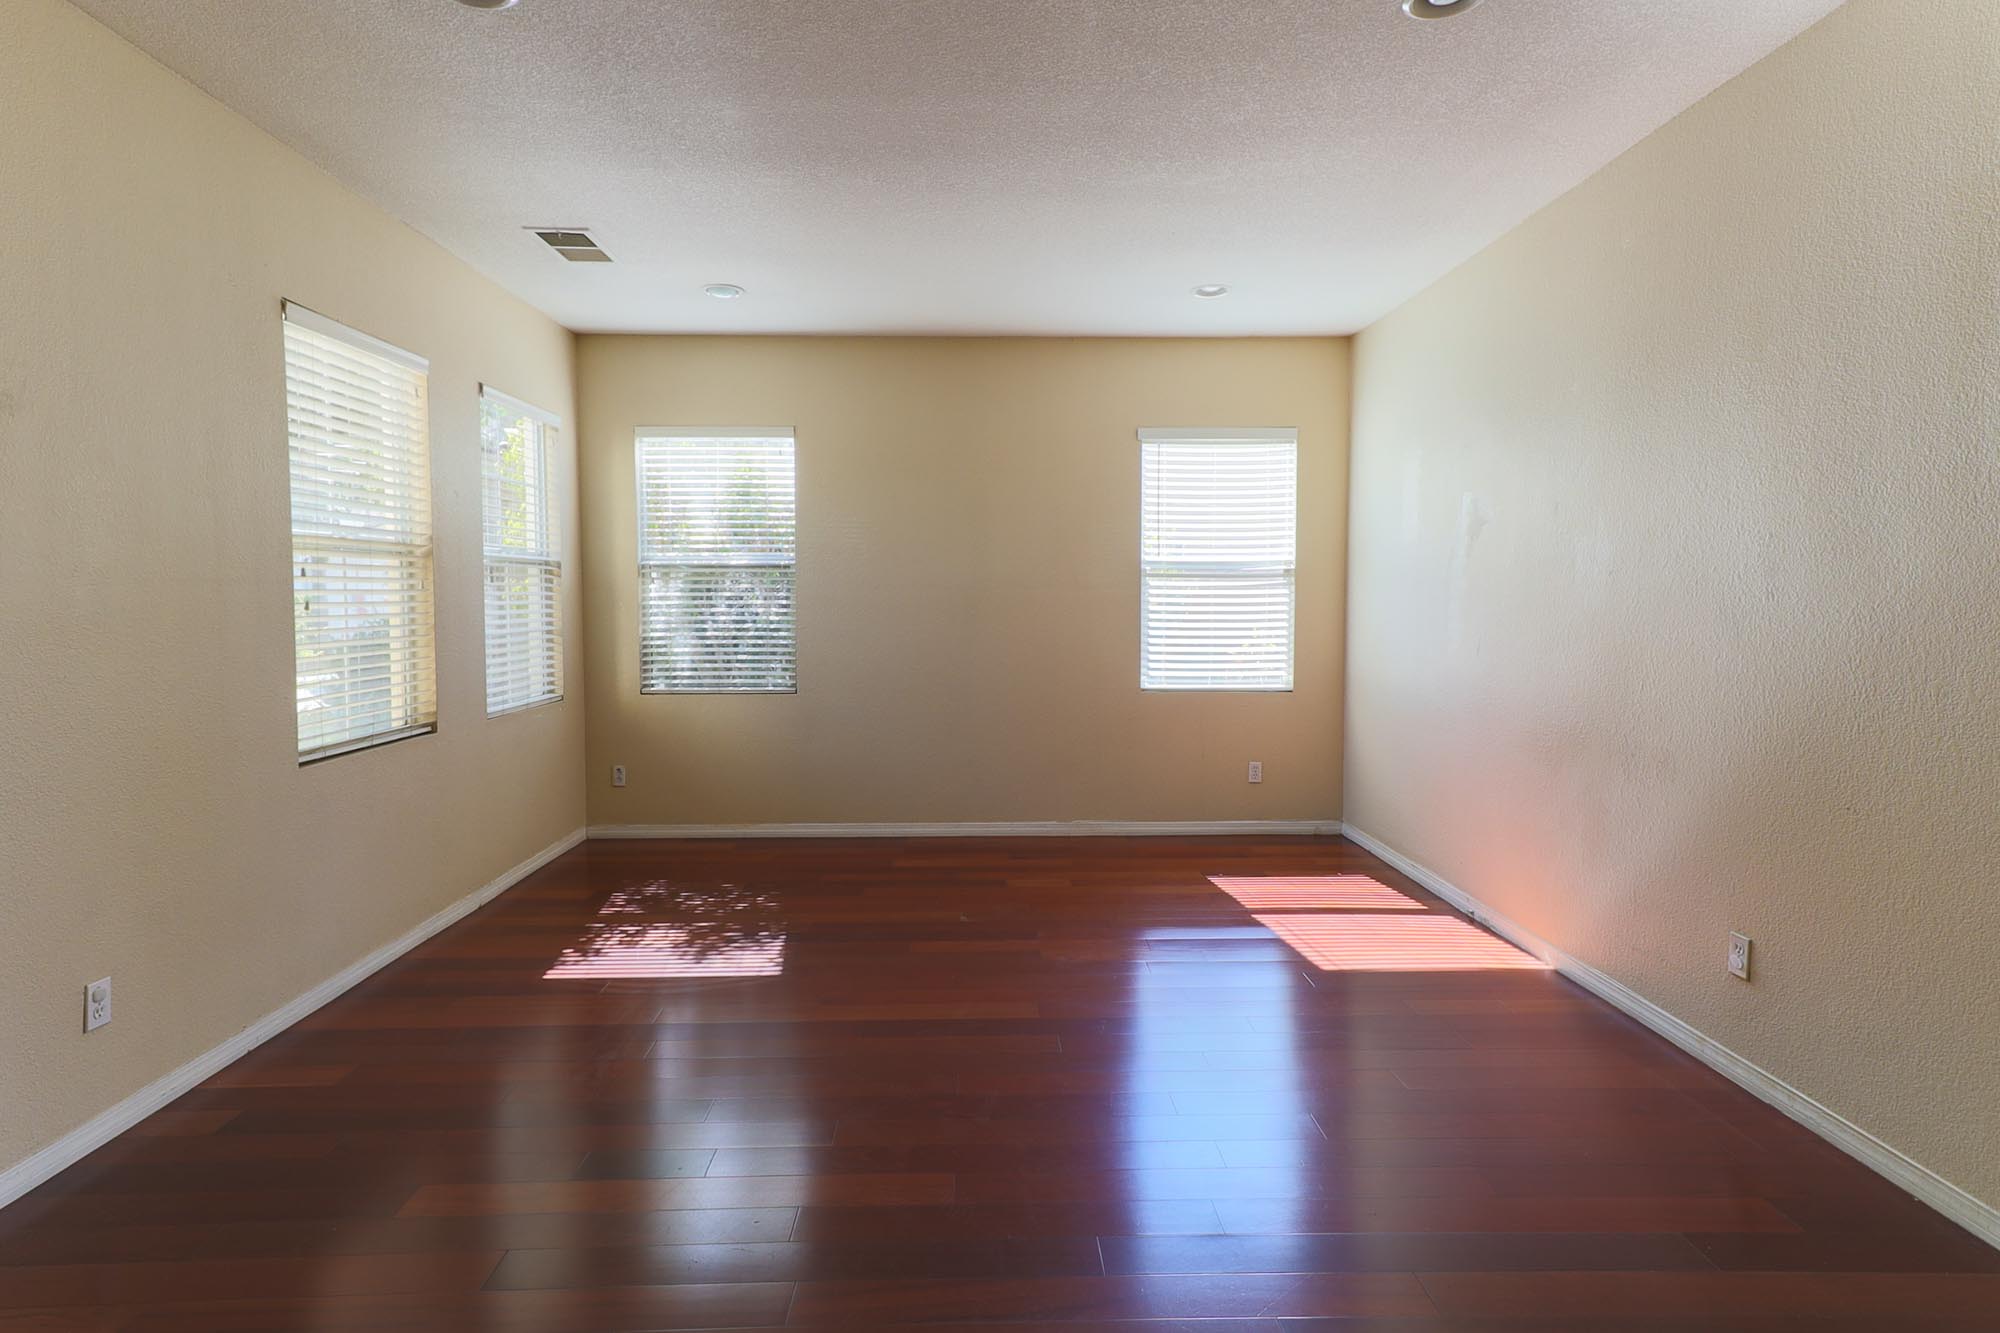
x=704, y=933
x=1304, y=893
x=1431, y=943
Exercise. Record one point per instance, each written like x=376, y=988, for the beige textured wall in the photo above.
x=154, y=824
x=1675, y=600
x=968, y=585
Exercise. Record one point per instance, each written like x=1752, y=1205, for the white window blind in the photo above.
x=1218, y=551
x=358, y=416
x=524, y=574
x=718, y=526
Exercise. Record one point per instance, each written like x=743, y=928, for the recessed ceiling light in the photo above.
x=723, y=291
x=1208, y=291
x=1437, y=9
x=489, y=4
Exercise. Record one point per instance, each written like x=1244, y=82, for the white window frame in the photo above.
x=1220, y=571
x=652, y=562
x=500, y=559
x=412, y=678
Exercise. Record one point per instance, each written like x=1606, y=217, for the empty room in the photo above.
x=1063, y=666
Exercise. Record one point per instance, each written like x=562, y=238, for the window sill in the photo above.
x=1217, y=689
x=527, y=707
x=320, y=756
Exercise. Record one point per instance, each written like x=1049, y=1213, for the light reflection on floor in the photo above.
x=661, y=932
x=1201, y=992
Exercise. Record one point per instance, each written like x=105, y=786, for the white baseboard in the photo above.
x=1081, y=828
x=1980, y=1218
x=32, y=1170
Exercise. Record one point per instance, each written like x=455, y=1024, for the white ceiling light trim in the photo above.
x=1437, y=9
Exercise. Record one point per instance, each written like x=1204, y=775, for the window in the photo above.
x=718, y=530
x=358, y=415
x=524, y=653
x=1218, y=541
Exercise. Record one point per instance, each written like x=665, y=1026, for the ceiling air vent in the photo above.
x=572, y=244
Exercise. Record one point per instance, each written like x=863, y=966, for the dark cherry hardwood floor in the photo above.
x=1144, y=1085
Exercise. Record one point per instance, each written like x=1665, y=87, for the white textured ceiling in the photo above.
x=962, y=166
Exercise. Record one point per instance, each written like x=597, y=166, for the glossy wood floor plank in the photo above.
x=1050, y=1086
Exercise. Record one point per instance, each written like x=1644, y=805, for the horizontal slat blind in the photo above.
x=718, y=525
x=362, y=605
x=523, y=550
x=1218, y=552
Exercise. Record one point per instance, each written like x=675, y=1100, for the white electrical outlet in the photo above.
x=1256, y=770
x=618, y=775
x=96, y=1004
x=1739, y=955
